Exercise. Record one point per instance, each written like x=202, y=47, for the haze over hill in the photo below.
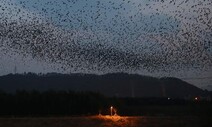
x=113, y=84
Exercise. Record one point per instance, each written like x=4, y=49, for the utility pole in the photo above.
x=163, y=89
x=132, y=89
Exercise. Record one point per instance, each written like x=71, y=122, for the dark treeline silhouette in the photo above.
x=68, y=103
x=34, y=103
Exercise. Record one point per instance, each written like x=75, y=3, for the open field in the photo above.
x=108, y=121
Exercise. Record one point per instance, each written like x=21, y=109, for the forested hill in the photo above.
x=114, y=84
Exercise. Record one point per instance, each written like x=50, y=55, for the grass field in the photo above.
x=108, y=121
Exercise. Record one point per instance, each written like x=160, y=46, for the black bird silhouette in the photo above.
x=104, y=36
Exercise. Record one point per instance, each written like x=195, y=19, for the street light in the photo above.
x=111, y=110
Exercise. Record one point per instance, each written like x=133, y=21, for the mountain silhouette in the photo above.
x=113, y=84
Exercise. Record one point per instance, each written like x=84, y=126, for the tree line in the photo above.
x=50, y=103
x=34, y=103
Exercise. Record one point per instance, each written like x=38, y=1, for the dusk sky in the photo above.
x=149, y=37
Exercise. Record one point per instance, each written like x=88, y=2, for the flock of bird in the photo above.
x=111, y=35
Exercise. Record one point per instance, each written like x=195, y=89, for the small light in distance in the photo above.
x=111, y=110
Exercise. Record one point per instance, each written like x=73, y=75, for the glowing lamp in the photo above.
x=111, y=110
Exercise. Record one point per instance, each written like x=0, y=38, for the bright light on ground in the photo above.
x=113, y=118
x=119, y=121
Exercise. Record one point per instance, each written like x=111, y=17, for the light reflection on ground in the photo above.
x=113, y=118
x=108, y=121
x=119, y=121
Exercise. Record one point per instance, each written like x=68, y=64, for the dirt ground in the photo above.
x=107, y=121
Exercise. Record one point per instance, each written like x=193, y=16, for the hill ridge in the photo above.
x=111, y=84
